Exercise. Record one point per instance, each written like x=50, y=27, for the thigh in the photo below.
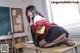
x=53, y=33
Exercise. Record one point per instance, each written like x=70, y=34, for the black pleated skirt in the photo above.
x=54, y=33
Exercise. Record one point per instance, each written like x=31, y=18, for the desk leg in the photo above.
x=38, y=51
x=76, y=50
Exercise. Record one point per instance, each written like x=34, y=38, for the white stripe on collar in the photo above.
x=37, y=18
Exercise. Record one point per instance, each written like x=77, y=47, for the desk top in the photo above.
x=60, y=49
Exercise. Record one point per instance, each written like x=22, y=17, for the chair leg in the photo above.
x=38, y=51
x=76, y=50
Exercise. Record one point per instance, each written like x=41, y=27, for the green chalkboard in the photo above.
x=5, y=25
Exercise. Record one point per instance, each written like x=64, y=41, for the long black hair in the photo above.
x=34, y=11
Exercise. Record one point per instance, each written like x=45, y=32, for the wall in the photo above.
x=22, y=4
x=74, y=30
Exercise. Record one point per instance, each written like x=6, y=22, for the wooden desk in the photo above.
x=60, y=49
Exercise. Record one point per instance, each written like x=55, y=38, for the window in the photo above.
x=65, y=14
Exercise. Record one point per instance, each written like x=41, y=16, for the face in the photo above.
x=29, y=13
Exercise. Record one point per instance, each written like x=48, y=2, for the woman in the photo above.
x=44, y=33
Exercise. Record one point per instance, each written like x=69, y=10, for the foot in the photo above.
x=69, y=42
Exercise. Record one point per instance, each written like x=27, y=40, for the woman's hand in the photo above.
x=31, y=23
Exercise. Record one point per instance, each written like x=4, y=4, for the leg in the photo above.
x=69, y=42
x=57, y=41
x=65, y=40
